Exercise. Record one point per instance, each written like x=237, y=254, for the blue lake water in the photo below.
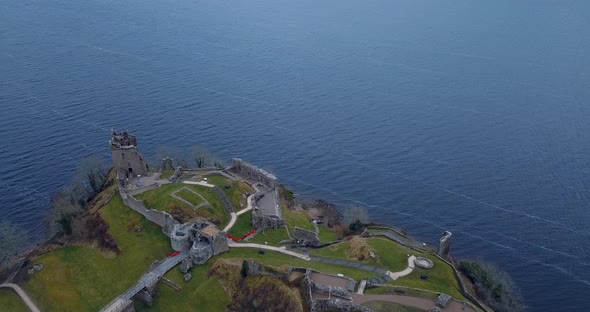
x=466, y=116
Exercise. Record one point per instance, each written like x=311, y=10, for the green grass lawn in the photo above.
x=160, y=199
x=190, y=197
x=270, y=236
x=167, y=173
x=236, y=191
x=243, y=225
x=393, y=257
x=278, y=259
x=11, y=302
x=326, y=235
x=440, y=279
x=80, y=278
x=400, y=291
x=201, y=293
x=381, y=306
x=297, y=218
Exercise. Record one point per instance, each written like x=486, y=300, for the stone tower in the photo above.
x=445, y=244
x=126, y=159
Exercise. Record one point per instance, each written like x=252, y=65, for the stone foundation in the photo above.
x=306, y=236
x=253, y=173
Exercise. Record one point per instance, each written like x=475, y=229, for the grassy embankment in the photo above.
x=393, y=257
x=236, y=192
x=243, y=225
x=160, y=199
x=326, y=234
x=82, y=278
x=10, y=301
x=400, y=291
x=390, y=307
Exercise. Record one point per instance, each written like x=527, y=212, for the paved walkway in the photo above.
x=231, y=223
x=23, y=295
x=202, y=183
x=408, y=270
x=279, y=249
x=317, y=228
x=361, y=288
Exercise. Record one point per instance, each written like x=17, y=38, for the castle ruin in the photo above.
x=267, y=210
x=201, y=239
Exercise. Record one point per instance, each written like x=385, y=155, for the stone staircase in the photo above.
x=224, y=199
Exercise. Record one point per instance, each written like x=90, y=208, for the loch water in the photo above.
x=468, y=116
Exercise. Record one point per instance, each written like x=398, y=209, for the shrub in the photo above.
x=493, y=286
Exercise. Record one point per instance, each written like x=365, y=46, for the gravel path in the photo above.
x=279, y=249
x=351, y=264
x=23, y=295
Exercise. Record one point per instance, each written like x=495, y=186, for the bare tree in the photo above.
x=12, y=240
x=492, y=285
x=176, y=153
x=92, y=171
x=356, y=213
x=66, y=205
x=204, y=158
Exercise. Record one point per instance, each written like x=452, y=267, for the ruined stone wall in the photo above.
x=219, y=243
x=252, y=172
x=305, y=289
x=260, y=221
x=160, y=218
x=306, y=236
x=331, y=290
x=255, y=268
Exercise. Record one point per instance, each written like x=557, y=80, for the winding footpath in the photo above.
x=23, y=295
x=234, y=215
x=407, y=271
x=273, y=248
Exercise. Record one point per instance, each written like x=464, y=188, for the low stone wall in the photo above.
x=251, y=172
x=158, y=217
x=305, y=289
x=331, y=290
x=255, y=268
x=320, y=305
x=466, y=293
x=260, y=221
x=306, y=236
